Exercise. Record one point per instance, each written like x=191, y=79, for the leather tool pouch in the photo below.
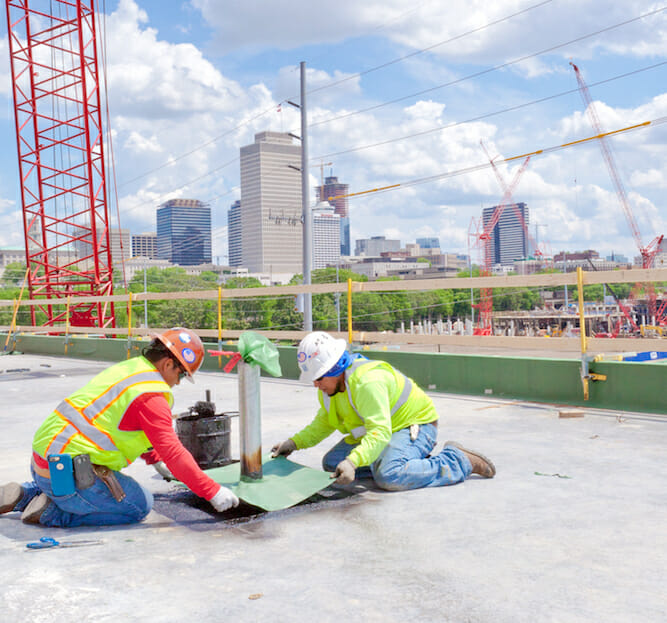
x=108, y=477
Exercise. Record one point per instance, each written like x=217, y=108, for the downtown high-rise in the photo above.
x=270, y=224
x=184, y=232
x=509, y=239
x=335, y=193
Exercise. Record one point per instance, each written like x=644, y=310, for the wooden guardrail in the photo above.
x=512, y=281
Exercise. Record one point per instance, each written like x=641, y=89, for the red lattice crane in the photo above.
x=537, y=251
x=483, y=239
x=56, y=88
x=649, y=251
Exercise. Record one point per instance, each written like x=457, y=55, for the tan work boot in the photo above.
x=480, y=464
x=10, y=496
x=34, y=510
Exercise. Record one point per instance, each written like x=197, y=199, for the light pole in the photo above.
x=306, y=213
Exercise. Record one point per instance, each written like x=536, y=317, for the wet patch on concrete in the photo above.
x=191, y=511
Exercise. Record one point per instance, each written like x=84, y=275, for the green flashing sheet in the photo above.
x=284, y=483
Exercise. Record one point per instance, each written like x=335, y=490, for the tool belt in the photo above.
x=41, y=471
x=108, y=477
x=104, y=473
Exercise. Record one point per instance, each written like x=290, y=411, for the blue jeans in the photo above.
x=406, y=464
x=94, y=506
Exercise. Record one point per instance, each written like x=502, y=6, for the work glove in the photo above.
x=345, y=472
x=223, y=500
x=285, y=448
x=163, y=470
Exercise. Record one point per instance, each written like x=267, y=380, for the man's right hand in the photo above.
x=223, y=500
x=285, y=448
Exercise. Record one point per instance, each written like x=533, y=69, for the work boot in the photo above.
x=10, y=496
x=480, y=464
x=34, y=510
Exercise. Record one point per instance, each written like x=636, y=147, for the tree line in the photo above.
x=371, y=311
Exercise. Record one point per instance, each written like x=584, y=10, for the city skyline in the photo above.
x=399, y=95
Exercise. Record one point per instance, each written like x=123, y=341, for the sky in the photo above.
x=398, y=92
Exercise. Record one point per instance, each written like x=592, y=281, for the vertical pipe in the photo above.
x=145, y=302
x=306, y=211
x=349, y=311
x=250, y=433
x=67, y=323
x=129, y=325
x=582, y=315
x=220, y=325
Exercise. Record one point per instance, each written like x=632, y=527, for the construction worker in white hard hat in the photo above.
x=391, y=425
x=122, y=413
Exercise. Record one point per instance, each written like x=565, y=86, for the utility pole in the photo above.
x=306, y=214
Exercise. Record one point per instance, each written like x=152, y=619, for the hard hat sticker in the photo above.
x=184, y=337
x=188, y=355
x=301, y=356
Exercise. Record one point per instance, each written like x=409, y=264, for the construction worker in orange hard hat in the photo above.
x=122, y=413
x=391, y=425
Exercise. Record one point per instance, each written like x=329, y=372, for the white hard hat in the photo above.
x=318, y=352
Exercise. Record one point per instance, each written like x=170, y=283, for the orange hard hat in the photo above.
x=186, y=346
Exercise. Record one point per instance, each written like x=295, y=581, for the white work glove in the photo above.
x=223, y=500
x=285, y=448
x=163, y=470
x=345, y=472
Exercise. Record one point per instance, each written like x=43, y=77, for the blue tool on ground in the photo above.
x=46, y=542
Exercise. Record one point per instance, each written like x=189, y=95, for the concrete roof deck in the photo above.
x=573, y=527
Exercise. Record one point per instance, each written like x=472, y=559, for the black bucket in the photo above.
x=207, y=438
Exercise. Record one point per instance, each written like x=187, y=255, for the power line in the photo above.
x=360, y=111
x=372, y=69
x=489, y=69
x=490, y=114
x=486, y=165
x=431, y=47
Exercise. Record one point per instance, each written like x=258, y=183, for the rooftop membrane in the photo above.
x=571, y=529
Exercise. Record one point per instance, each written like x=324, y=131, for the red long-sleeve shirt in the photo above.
x=151, y=414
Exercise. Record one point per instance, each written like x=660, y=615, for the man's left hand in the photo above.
x=345, y=472
x=163, y=470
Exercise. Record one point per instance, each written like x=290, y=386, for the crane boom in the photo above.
x=649, y=251
x=609, y=159
x=486, y=294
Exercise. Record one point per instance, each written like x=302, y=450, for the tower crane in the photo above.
x=57, y=111
x=649, y=251
x=485, y=304
x=539, y=253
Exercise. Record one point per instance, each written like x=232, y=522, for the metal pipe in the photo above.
x=250, y=423
x=307, y=213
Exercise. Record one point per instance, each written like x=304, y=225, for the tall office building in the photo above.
x=234, y=234
x=184, y=232
x=271, y=228
x=333, y=188
x=326, y=236
x=144, y=245
x=509, y=241
x=428, y=243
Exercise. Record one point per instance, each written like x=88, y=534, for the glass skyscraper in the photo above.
x=184, y=232
x=234, y=241
x=509, y=240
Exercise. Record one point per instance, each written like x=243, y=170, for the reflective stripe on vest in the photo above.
x=360, y=431
x=82, y=421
